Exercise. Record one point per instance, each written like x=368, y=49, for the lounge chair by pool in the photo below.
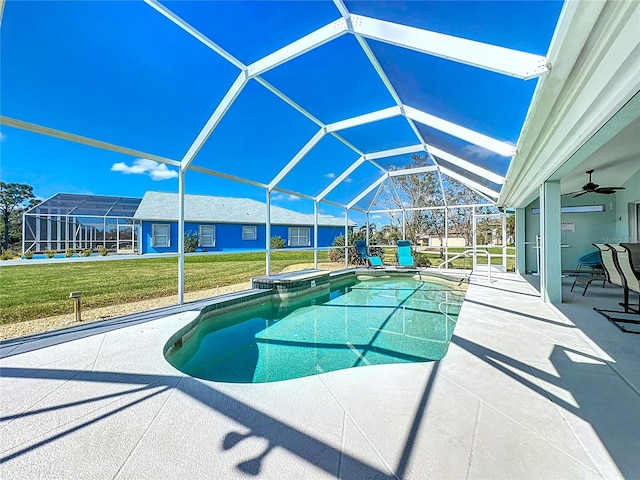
x=405, y=258
x=372, y=260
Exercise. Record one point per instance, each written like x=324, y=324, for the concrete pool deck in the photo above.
x=526, y=391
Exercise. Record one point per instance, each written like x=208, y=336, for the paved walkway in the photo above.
x=525, y=391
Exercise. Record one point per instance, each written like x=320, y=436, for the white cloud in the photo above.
x=280, y=196
x=144, y=166
x=348, y=180
x=3, y=137
x=376, y=216
x=330, y=175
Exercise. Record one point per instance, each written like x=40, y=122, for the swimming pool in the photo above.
x=362, y=321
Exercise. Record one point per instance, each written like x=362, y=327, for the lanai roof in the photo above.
x=266, y=92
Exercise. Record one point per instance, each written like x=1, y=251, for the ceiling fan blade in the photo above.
x=571, y=193
x=580, y=194
x=608, y=190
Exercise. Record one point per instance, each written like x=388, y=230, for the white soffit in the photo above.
x=597, y=50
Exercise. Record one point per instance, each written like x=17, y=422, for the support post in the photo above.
x=504, y=242
x=180, y=236
x=550, y=253
x=315, y=234
x=404, y=225
x=268, y=235
x=521, y=252
x=346, y=238
x=367, y=231
x=474, y=241
x=446, y=233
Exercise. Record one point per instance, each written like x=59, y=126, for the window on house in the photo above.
x=160, y=235
x=250, y=233
x=299, y=237
x=207, y=236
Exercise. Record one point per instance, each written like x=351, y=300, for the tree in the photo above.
x=425, y=190
x=14, y=198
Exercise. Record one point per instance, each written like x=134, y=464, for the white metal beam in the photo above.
x=470, y=167
x=368, y=190
x=215, y=118
x=295, y=194
x=470, y=183
x=287, y=100
x=226, y=176
x=458, y=131
x=342, y=8
x=298, y=47
x=50, y=132
x=483, y=55
x=297, y=158
x=194, y=32
x=347, y=143
x=411, y=171
x=340, y=178
x=364, y=119
x=394, y=152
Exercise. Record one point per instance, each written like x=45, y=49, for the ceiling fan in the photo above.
x=594, y=187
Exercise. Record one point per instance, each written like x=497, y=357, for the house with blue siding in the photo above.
x=227, y=224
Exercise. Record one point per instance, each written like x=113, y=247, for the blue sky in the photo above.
x=121, y=73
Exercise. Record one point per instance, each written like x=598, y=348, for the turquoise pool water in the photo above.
x=365, y=322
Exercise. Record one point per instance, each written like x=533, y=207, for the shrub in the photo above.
x=277, y=242
x=337, y=255
x=103, y=251
x=190, y=242
x=87, y=252
x=28, y=255
x=421, y=259
x=69, y=252
x=8, y=255
x=49, y=253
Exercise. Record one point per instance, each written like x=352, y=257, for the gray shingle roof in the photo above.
x=159, y=206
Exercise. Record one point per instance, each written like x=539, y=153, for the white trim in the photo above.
x=202, y=235
x=155, y=235
x=298, y=236
x=254, y=233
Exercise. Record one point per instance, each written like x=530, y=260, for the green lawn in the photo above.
x=36, y=290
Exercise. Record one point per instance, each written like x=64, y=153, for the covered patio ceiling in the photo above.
x=322, y=100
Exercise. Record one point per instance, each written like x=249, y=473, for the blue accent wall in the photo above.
x=229, y=236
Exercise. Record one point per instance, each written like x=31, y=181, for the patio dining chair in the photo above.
x=616, y=260
x=589, y=269
x=405, y=257
x=363, y=252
